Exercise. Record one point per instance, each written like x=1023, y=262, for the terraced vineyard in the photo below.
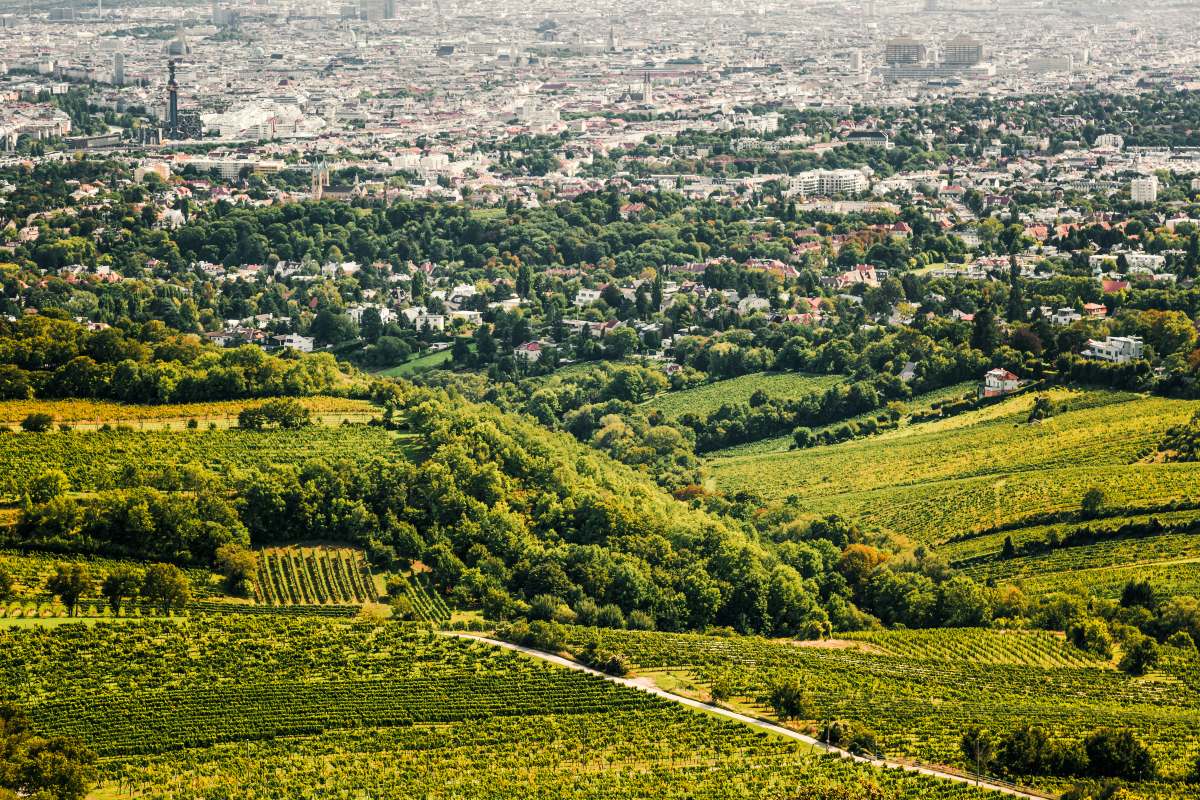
x=705, y=399
x=920, y=690
x=306, y=576
x=220, y=708
x=101, y=459
x=937, y=480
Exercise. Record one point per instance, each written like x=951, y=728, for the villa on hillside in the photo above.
x=999, y=382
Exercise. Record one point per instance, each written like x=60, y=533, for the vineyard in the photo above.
x=272, y=707
x=103, y=459
x=314, y=576
x=993, y=441
x=705, y=399
x=86, y=414
x=920, y=690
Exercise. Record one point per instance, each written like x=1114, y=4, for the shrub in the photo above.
x=37, y=423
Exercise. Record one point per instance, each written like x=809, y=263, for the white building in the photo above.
x=303, y=344
x=1144, y=190
x=585, y=297
x=1116, y=349
x=1000, y=382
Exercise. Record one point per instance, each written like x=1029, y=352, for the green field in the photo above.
x=218, y=708
x=920, y=690
x=937, y=480
x=421, y=364
x=705, y=399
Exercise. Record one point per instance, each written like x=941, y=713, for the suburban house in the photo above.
x=303, y=344
x=1116, y=349
x=530, y=352
x=863, y=273
x=585, y=297
x=1095, y=310
x=999, y=382
x=1065, y=316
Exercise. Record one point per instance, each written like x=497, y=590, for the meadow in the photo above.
x=707, y=398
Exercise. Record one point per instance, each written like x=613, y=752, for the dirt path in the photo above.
x=646, y=686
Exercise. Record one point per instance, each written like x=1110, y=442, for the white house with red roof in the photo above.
x=999, y=382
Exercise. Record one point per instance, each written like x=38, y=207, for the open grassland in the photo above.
x=89, y=414
x=704, y=400
x=782, y=444
x=937, y=480
x=106, y=459
x=920, y=690
x=420, y=364
x=223, y=708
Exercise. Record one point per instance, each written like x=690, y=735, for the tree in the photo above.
x=620, y=343
x=371, y=324
x=121, y=583
x=1141, y=657
x=1093, y=501
x=6, y=584
x=38, y=768
x=963, y=603
x=1118, y=754
x=37, y=423
x=285, y=413
x=985, y=334
x=47, y=486
x=70, y=582
x=790, y=700
x=979, y=748
x=239, y=565
x=167, y=587
x=803, y=438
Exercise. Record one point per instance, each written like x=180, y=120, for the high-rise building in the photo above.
x=905, y=50
x=962, y=51
x=172, y=101
x=375, y=10
x=118, y=72
x=1144, y=190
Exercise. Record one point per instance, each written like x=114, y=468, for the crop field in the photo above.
x=304, y=576
x=273, y=707
x=920, y=690
x=101, y=459
x=937, y=480
x=89, y=414
x=947, y=509
x=782, y=444
x=704, y=400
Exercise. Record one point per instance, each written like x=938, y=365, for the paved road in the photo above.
x=752, y=721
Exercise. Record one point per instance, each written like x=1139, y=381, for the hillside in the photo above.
x=918, y=692
x=216, y=707
x=707, y=398
x=936, y=480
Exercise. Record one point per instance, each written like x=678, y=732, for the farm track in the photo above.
x=1006, y=789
